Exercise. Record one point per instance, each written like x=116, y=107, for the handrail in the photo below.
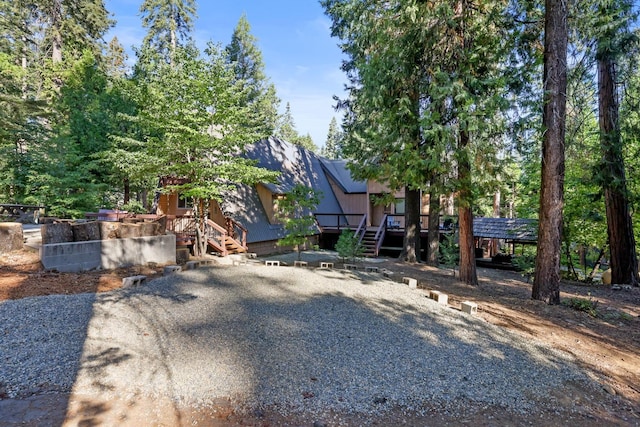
x=362, y=228
x=215, y=235
x=244, y=232
x=380, y=233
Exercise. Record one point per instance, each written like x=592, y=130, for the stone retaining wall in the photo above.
x=108, y=254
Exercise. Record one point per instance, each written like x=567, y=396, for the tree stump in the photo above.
x=148, y=229
x=85, y=231
x=128, y=231
x=108, y=230
x=60, y=232
x=11, y=237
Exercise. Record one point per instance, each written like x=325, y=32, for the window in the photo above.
x=399, y=206
x=184, y=202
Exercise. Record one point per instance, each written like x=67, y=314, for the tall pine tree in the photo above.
x=245, y=58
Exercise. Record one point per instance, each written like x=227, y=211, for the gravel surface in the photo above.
x=294, y=339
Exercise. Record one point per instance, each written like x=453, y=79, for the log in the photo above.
x=108, y=230
x=11, y=237
x=85, y=231
x=128, y=231
x=56, y=233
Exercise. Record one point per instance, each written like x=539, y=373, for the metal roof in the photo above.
x=338, y=170
x=296, y=165
x=513, y=229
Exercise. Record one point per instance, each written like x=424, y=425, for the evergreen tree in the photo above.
x=331, y=149
x=286, y=129
x=168, y=24
x=426, y=86
x=614, y=37
x=546, y=285
x=116, y=59
x=246, y=61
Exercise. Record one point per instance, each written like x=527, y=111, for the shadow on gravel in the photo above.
x=287, y=343
x=49, y=335
x=313, y=341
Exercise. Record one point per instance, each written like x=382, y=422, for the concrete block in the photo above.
x=439, y=297
x=207, y=263
x=350, y=267
x=182, y=255
x=370, y=269
x=133, y=281
x=413, y=283
x=387, y=273
x=251, y=255
x=239, y=262
x=192, y=265
x=469, y=307
x=272, y=263
x=171, y=269
x=326, y=265
x=300, y=264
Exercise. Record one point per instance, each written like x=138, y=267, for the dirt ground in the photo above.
x=605, y=342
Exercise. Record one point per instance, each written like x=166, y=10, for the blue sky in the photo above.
x=300, y=57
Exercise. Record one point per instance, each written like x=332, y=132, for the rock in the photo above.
x=609, y=389
x=11, y=237
x=60, y=232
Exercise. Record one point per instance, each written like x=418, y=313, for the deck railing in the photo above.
x=338, y=221
x=215, y=236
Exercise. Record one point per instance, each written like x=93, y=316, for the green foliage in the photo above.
x=295, y=211
x=245, y=58
x=449, y=251
x=525, y=262
x=333, y=145
x=168, y=24
x=286, y=130
x=134, y=206
x=588, y=306
x=348, y=246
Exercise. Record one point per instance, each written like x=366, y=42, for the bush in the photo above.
x=589, y=306
x=348, y=246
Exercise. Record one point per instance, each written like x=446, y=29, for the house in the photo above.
x=246, y=217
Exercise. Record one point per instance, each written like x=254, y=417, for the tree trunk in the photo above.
x=624, y=263
x=56, y=27
x=411, y=245
x=127, y=191
x=494, y=247
x=546, y=285
x=468, y=272
x=434, y=227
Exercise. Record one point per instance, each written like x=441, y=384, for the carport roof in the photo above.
x=513, y=229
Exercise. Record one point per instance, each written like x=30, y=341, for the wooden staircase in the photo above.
x=233, y=246
x=220, y=241
x=369, y=243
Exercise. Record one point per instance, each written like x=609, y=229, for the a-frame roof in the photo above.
x=296, y=165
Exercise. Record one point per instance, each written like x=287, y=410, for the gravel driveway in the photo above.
x=299, y=340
